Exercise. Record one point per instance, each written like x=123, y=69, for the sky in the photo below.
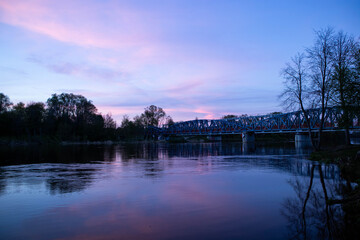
x=193, y=58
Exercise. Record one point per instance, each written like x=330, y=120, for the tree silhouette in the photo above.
x=5, y=103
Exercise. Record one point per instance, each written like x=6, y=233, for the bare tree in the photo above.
x=356, y=53
x=295, y=94
x=328, y=75
x=344, y=63
x=320, y=60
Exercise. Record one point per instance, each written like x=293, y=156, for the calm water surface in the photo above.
x=164, y=191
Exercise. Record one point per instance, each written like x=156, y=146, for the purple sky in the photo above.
x=195, y=58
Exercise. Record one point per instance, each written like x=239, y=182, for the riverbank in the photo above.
x=335, y=154
x=348, y=160
x=54, y=141
x=346, y=157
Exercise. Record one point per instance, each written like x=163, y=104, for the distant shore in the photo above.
x=15, y=142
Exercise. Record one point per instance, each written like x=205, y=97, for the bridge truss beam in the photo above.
x=288, y=122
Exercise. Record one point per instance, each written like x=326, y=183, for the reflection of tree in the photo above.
x=149, y=150
x=156, y=151
x=56, y=154
x=67, y=180
x=64, y=169
x=154, y=158
x=144, y=155
x=2, y=182
x=309, y=214
x=109, y=153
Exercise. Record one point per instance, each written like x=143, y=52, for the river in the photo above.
x=166, y=191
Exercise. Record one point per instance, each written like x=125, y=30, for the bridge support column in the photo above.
x=248, y=137
x=302, y=140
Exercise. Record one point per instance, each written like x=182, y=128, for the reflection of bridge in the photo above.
x=288, y=122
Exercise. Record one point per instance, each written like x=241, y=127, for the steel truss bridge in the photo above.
x=287, y=122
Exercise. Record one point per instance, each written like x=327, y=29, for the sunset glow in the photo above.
x=199, y=59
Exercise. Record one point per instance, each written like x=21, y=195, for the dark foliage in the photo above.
x=137, y=129
x=64, y=117
x=70, y=117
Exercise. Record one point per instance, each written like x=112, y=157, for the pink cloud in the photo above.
x=120, y=110
x=179, y=113
x=209, y=115
x=61, y=22
x=201, y=113
x=114, y=38
x=110, y=25
x=131, y=33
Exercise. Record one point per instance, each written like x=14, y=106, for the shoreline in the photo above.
x=347, y=158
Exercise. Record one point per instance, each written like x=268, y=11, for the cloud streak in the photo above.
x=60, y=21
x=67, y=68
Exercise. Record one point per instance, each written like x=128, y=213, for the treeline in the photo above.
x=136, y=128
x=323, y=75
x=70, y=117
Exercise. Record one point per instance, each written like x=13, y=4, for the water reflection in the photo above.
x=72, y=180
x=39, y=165
x=165, y=191
x=309, y=214
x=58, y=179
x=2, y=181
x=18, y=155
x=84, y=163
x=149, y=151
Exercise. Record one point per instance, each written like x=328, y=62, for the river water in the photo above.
x=166, y=191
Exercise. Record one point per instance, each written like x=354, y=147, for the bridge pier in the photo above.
x=248, y=137
x=302, y=140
